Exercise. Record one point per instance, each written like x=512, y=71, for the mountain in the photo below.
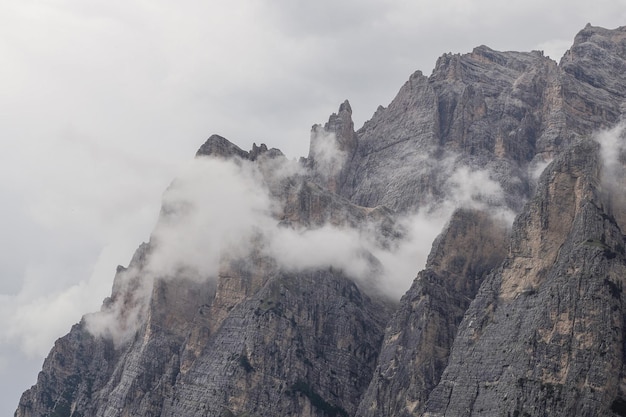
x=270, y=287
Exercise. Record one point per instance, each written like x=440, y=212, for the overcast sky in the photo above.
x=101, y=102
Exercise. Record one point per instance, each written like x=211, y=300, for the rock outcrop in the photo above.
x=545, y=334
x=484, y=110
x=419, y=336
x=521, y=320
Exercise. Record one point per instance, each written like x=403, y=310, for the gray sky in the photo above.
x=101, y=102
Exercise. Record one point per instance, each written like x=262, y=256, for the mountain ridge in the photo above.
x=283, y=310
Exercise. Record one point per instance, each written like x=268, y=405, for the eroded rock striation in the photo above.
x=544, y=335
x=419, y=336
x=510, y=320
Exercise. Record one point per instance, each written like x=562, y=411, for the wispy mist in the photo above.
x=227, y=208
x=213, y=209
x=613, y=152
x=325, y=152
x=123, y=313
x=145, y=77
x=613, y=148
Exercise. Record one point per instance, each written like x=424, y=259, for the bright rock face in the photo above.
x=278, y=305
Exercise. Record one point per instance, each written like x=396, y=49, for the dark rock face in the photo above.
x=419, y=336
x=76, y=365
x=487, y=109
x=519, y=321
x=484, y=110
x=593, y=82
x=301, y=345
x=545, y=334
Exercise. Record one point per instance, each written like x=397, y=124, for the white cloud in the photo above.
x=403, y=261
x=536, y=169
x=215, y=207
x=329, y=159
x=120, y=317
x=32, y=320
x=342, y=248
x=613, y=148
x=613, y=152
x=222, y=209
x=474, y=189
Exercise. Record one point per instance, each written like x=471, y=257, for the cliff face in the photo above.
x=419, y=336
x=545, y=334
x=521, y=320
x=254, y=338
x=485, y=110
x=492, y=369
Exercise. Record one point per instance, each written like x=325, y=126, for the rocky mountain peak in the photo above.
x=601, y=36
x=340, y=125
x=331, y=146
x=262, y=150
x=345, y=106
x=219, y=146
x=595, y=43
x=447, y=66
x=506, y=318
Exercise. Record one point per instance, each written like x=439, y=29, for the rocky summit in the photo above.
x=297, y=288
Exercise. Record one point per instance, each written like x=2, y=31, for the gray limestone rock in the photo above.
x=483, y=110
x=521, y=322
x=255, y=339
x=419, y=336
x=545, y=334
